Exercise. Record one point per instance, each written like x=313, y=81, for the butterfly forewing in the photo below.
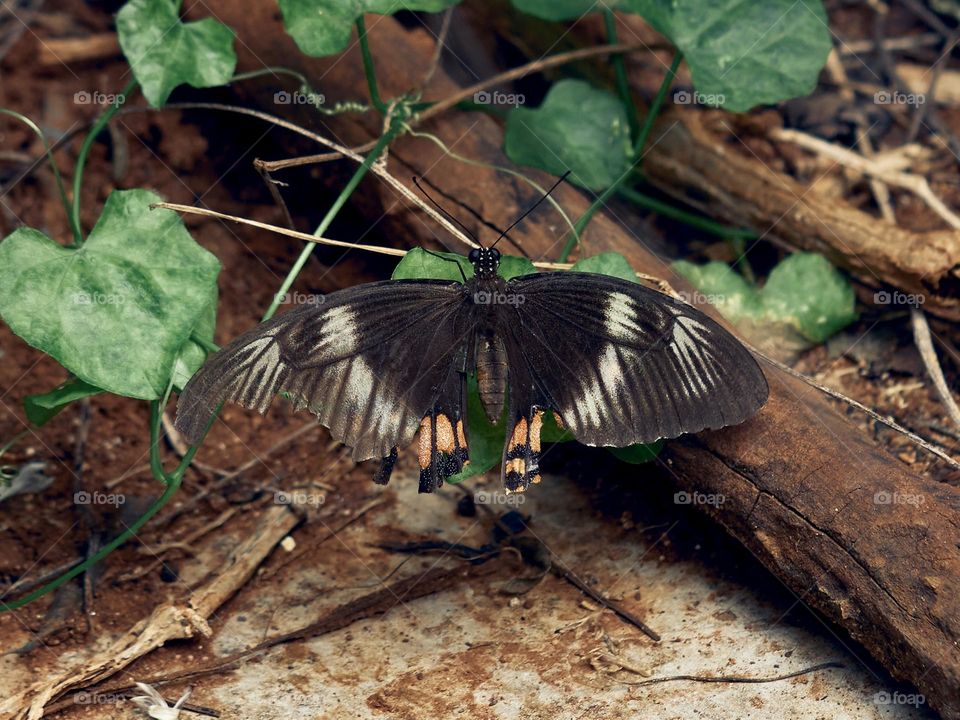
x=623, y=364
x=370, y=361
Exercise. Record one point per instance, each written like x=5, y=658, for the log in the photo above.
x=851, y=530
x=690, y=163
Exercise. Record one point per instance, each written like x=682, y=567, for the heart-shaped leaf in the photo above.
x=323, y=27
x=116, y=311
x=577, y=128
x=608, y=263
x=165, y=52
x=740, y=54
x=803, y=293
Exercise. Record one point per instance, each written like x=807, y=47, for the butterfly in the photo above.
x=615, y=362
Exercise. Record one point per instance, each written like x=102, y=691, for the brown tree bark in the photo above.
x=801, y=483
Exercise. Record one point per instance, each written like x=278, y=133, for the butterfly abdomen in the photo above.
x=491, y=374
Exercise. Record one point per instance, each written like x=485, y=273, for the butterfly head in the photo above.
x=485, y=261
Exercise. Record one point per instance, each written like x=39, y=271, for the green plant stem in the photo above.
x=74, y=226
x=654, y=110
x=341, y=200
x=670, y=211
x=85, y=150
x=368, y=68
x=620, y=75
x=638, y=147
x=208, y=345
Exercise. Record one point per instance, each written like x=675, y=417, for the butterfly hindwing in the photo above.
x=623, y=364
x=369, y=361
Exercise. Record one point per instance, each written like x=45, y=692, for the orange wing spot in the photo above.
x=519, y=433
x=558, y=420
x=517, y=465
x=425, y=449
x=536, y=479
x=445, y=441
x=461, y=438
x=536, y=424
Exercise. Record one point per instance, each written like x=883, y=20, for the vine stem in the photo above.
x=341, y=200
x=670, y=211
x=620, y=74
x=48, y=152
x=638, y=147
x=368, y=68
x=85, y=150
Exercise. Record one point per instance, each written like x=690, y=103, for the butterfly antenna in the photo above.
x=443, y=211
x=531, y=208
x=431, y=252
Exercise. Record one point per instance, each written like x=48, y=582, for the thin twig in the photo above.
x=738, y=678
x=924, y=343
x=914, y=183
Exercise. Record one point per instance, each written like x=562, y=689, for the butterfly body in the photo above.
x=617, y=363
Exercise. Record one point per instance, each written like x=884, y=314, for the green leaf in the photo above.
x=560, y=9
x=116, y=311
x=743, y=54
x=192, y=355
x=165, y=52
x=485, y=441
x=577, y=128
x=812, y=294
x=740, y=54
x=638, y=454
x=803, y=292
x=323, y=27
x=418, y=264
x=42, y=408
x=724, y=288
x=608, y=263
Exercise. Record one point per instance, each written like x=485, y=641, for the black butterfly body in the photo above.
x=616, y=363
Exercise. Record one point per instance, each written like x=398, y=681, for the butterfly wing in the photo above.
x=620, y=364
x=370, y=362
